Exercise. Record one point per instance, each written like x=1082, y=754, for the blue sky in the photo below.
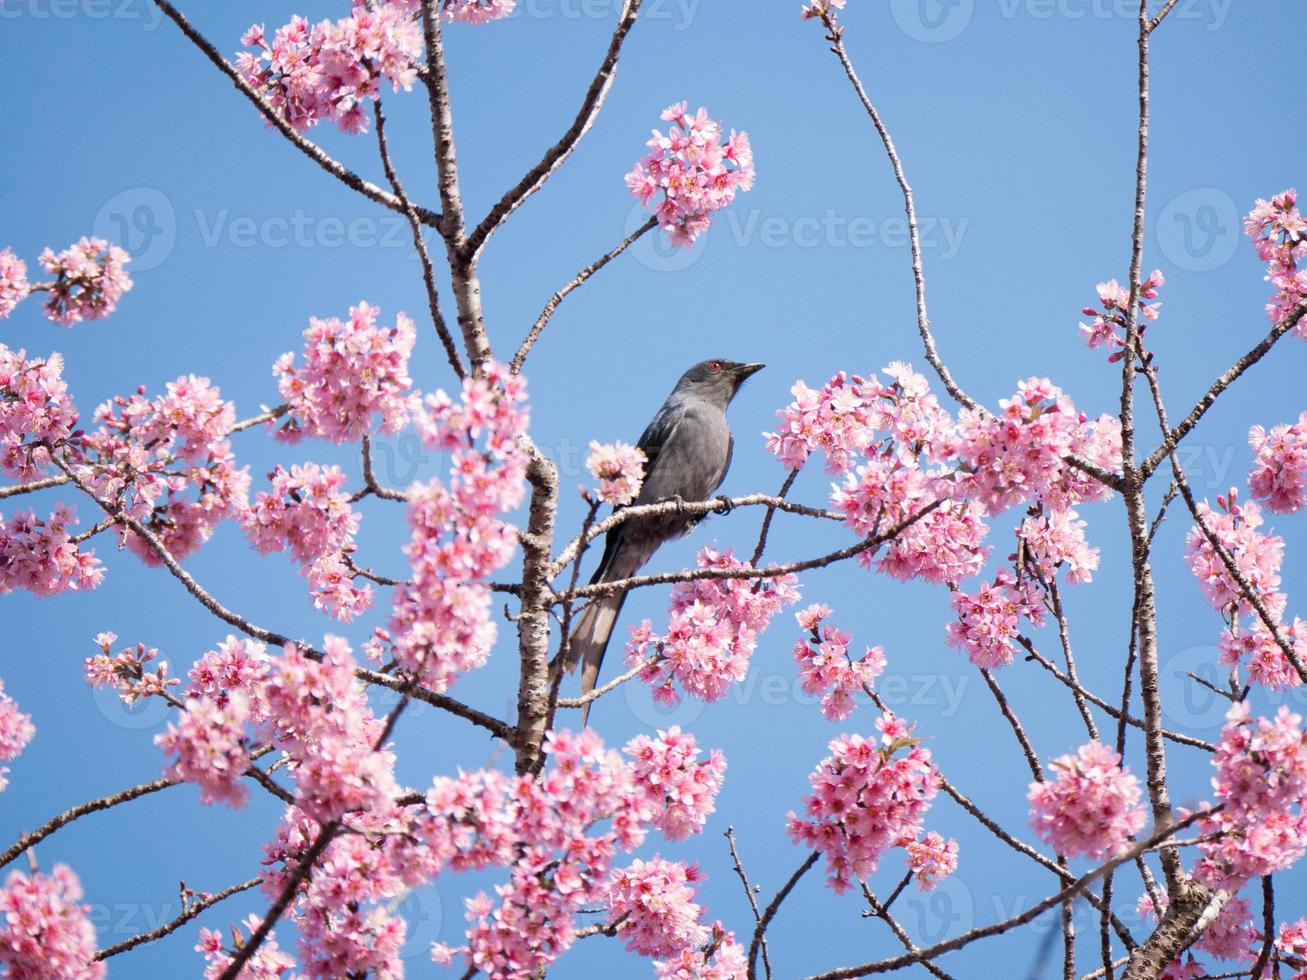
x=1015, y=120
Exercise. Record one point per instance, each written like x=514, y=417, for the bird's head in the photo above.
x=717, y=379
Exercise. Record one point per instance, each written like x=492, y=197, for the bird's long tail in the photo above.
x=589, y=641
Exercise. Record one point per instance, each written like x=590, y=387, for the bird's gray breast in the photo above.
x=691, y=464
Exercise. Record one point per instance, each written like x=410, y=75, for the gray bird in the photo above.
x=688, y=449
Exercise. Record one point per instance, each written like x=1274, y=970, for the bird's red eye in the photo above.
x=715, y=366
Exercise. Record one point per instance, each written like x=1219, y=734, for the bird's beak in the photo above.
x=747, y=371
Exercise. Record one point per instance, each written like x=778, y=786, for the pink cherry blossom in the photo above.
x=1189, y=969
x=651, y=903
x=237, y=666
x=476, y=11
x=14, y=286
x=1091, y=806
x=681, y=787
x=721, y=958
x=1256, y=555
x=866, y=799
x=1109, y=325
x=989, y=621
x=441, y=625
x=353, y=370
x=695, y=172
x=319, y=715
x=35, y=407
x=39, y=556
x=269, y=961
x=1055, y=541
x=712, y=631
x=126, y=672
x=619, y=468
x=210, y=748
x=167, y=462
x=331, y=70
x=1016, y=456
x=309, y=512
x=932, y=859
x=45, y=931
x=1277, y=228
x=556, y=835
x=821, y=8
x=90, y=277
x=1279, y=476
x=826, y=668
x=1266, y=662
x=16, y=731
x=1261, y=781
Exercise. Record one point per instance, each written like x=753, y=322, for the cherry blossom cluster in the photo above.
x=1016, y=455
x=36, y=411
x=314, y=711
x=167, y=462
x=852, y=416
x=868, y=798
x=1266, y=662
x=1256, y=555
x=1261, y=782
x=722, y=958
x=932, y=859
x=126, y=673
x=694, y=170
x=476, y=11
x=1108, y=328
x=14, y=286
x=817, y=9
x=90, y=277
x=269, y=961
x=826, y=668
x=209, y=744
x=619, y=468
x=319, y=715
x=441, y=621
x=712, y=630
x=651, y=904
x=330, y=70
x=40, y=556
x=16, y=730
x=237, y=666
x=309, y=512
x=557, y=836
x=353, y=370
x=669, y=769
x=1277, y=228
x=1291, y=943
x=1055, y=541
x=989, y=621
x=343, y=911
x=1279, y=476
x=45, y=930
x=1092, y=805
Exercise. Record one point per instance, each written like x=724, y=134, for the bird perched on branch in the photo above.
x=688, y=450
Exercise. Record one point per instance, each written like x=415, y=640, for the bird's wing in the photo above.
x=657, y=434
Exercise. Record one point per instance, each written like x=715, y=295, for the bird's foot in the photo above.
x=679, y=502
x=724, y=504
